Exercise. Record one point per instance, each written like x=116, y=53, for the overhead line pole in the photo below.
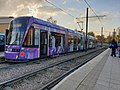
x=86, y=41
x=101, y=36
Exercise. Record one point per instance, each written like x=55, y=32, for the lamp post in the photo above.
x=114, y=34
x=109, y=37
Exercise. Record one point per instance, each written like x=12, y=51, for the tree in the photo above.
x=109, y=39
x=98, y=37
x=91, y=34
x=50, y=19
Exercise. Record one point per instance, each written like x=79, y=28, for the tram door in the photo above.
x=43, y=43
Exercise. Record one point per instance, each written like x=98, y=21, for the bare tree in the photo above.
x=50, y=19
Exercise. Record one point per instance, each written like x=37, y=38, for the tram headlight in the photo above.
x=16, y=56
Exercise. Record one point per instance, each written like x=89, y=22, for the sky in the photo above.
x=77, y=8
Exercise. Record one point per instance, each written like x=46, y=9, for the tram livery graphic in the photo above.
x=30, y=38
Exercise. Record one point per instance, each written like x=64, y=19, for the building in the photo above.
x=4, y=23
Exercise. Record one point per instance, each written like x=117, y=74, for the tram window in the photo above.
x=36, y=37
x=75, y=41
x=28, y=38
x=59, y=39
x=70, y=40
x=32, y=38
x=52, y=41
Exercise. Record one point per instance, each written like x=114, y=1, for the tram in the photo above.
x=31, y=38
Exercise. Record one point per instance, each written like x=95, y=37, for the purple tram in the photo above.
x=30, y=38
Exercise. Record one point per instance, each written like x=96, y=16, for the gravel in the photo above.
x=39, y=80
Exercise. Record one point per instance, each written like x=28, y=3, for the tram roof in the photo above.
x=48, y=24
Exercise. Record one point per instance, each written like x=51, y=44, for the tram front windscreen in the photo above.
x=17, y=30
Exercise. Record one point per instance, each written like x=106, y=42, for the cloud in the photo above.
x=35, y=8
x=48, y=9
x=108, y=17
x=64, y=2
x=108, y=22
x=72, y=9
x=78, y=1
x=9, y=7
x=112, y=15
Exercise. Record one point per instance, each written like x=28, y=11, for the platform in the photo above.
x=101, y=73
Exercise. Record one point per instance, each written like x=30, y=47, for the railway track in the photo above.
x=65, y=70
